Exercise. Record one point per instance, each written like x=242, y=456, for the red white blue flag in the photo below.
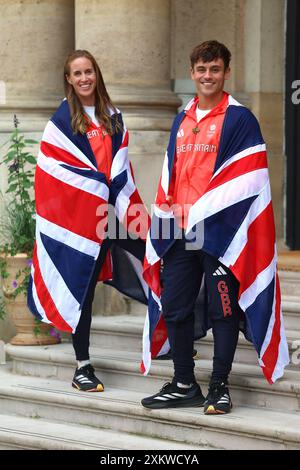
x=71, y=217
x=236, y=216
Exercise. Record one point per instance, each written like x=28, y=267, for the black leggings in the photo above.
x=182, y=275
x=81, y=338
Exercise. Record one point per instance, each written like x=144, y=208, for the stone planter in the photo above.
x=20, y=315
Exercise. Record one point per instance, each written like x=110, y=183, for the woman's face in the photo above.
x=83, y=79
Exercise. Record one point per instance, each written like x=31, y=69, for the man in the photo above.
x=215, y=189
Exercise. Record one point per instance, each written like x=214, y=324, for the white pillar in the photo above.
x=131, y=41
x=264, y=75
x=35, y=36
x=196, y=22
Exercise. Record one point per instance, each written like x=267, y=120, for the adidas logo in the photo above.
x=83, y=379
x=224, y=399
x=180, y=133
x=220, y=272
x=170, y=396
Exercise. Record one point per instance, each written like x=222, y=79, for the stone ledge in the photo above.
x=120, y=369
x=120, y=410
x=289, y=261
x=126, y=333
x=18, y=432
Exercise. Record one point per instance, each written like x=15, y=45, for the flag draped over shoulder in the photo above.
x=236, y=217
x=71, y=216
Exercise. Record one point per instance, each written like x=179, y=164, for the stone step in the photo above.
x=49, y=406
x=119, y=332
x=120, y=369
x=127, y=329
x=290, y=292
x=290, y=283
x=19, y=432
x=291, y=312
x=289, y=286
x=125, y=333
x=117, y=420
x=289, y=260
x=245, y=352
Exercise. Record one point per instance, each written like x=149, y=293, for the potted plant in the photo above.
x=17, y=234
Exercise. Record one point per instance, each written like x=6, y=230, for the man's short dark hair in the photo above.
x=209, y=51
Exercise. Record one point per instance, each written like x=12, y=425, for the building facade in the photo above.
x=143, y=49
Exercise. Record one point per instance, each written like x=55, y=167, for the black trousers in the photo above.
x=182, y=275
x=81, y=338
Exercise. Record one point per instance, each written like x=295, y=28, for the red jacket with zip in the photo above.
x=196, y=152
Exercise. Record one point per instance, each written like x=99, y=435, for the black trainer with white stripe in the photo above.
x=218, y=400
x=172, y=396
x=84, y=379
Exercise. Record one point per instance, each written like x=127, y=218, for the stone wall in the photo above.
x=143, y=49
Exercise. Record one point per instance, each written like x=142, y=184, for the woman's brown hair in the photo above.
x=103, y=103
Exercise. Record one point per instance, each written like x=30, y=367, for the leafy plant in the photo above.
x=18, y=224
x=17, y=229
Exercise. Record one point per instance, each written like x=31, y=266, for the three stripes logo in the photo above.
x=224, y=399
x=220, y=272
x=83, y=379
x=170, y=396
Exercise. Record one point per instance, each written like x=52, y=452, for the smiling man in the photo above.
x=209, y=77
x=215, y=177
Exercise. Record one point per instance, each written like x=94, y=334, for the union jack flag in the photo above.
x=238, y=228
x=69, y=191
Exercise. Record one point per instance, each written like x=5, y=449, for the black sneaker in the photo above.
x=171, y=396
x=168, y=356
x=218, y=400
x=84, y=379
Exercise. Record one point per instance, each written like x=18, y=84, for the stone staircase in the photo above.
x=40, y=410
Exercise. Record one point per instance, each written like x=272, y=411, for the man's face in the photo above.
x=209, y=77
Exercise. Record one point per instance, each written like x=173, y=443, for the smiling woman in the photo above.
x=74, y=181
x=84, y=86
x=82, y=77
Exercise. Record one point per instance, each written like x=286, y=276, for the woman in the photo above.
x=82, y=165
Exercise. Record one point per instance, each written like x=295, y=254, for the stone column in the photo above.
x=264, y=73
x=195, y=22
x=131, y=42
x=35, y=36
x=253, y=30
